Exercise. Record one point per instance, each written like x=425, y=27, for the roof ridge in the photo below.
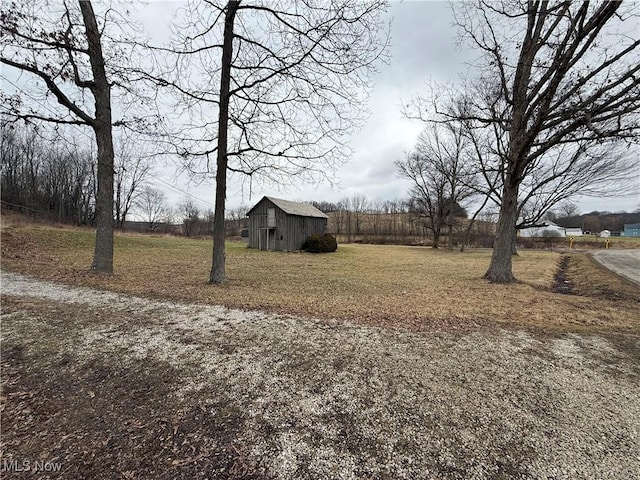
x=303, y=209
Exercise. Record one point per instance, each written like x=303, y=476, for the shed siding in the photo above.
x=293, y=229
x=632, y=230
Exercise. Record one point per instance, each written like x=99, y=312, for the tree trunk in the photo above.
x=436, y=238
x=500, y=268
x=467, y=232
x=450, y=231
x=218, y=274
x=103, y=253
x=118, y=205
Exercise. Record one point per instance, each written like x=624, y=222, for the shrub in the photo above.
x=320, y=243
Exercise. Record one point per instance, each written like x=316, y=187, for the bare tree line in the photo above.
x=402, y=221
x=48, y=176
x=45, y=173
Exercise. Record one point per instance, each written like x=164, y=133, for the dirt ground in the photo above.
x=103, y=385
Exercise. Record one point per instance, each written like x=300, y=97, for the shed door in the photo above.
x=271, y=217
x=267, y=240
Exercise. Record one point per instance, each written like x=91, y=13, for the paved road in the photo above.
x=625, y=263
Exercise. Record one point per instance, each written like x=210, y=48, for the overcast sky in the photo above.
x=424, y=48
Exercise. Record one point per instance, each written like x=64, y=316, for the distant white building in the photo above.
x=631, y=230
x=549, y=228
x=605, y=233
x=573, y=232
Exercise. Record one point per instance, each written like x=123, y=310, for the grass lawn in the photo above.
x=599, y=242
x=413, y=287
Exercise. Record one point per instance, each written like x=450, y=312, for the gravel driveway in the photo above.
x=625, y=263
x=115, y=386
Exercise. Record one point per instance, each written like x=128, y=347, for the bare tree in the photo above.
x=568, y=209
x=132, y=166
x=284, y=81
x=427, y=193
x=358, y=205
x=168, y=219
x=340, y=217
x=440, y=175
x=570, y=78
x=152, y=204
x=62, y=48
x=561, y=173
x=190, y=213
x=325, y=206
x=236, y=220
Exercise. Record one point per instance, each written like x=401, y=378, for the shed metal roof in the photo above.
x=293, y=208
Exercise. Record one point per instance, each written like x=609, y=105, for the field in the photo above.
x=414, y=287
x=373, y=362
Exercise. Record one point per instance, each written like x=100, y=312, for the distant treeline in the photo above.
x=357, y=219
x=43, y=177
x=598, y=221
x=55, y=180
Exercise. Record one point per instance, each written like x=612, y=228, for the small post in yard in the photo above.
x=570, y=243
x=606, y=244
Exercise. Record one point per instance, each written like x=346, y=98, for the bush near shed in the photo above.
x=320, y=243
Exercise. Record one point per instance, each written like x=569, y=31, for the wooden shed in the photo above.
x=276, y=224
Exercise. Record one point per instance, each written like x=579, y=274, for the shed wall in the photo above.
x=290, y=232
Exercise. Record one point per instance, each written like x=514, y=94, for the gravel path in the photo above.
x=311, y=399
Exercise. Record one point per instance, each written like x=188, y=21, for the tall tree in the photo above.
x=152, y=204
x=564, y=171
x=567, y=209
x=61, y=50
x=358, y=205
x=571, y=77
x=190, y=213
x=440, y=176
x=284, y=83
x=132, y=165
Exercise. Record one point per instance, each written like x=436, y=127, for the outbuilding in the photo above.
x=546, y=229
x=276, y=224
x=573, y=232
x=631, y=230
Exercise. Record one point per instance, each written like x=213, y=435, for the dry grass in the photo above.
x=590, y=278
x=593, y=242
x=385, y=285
